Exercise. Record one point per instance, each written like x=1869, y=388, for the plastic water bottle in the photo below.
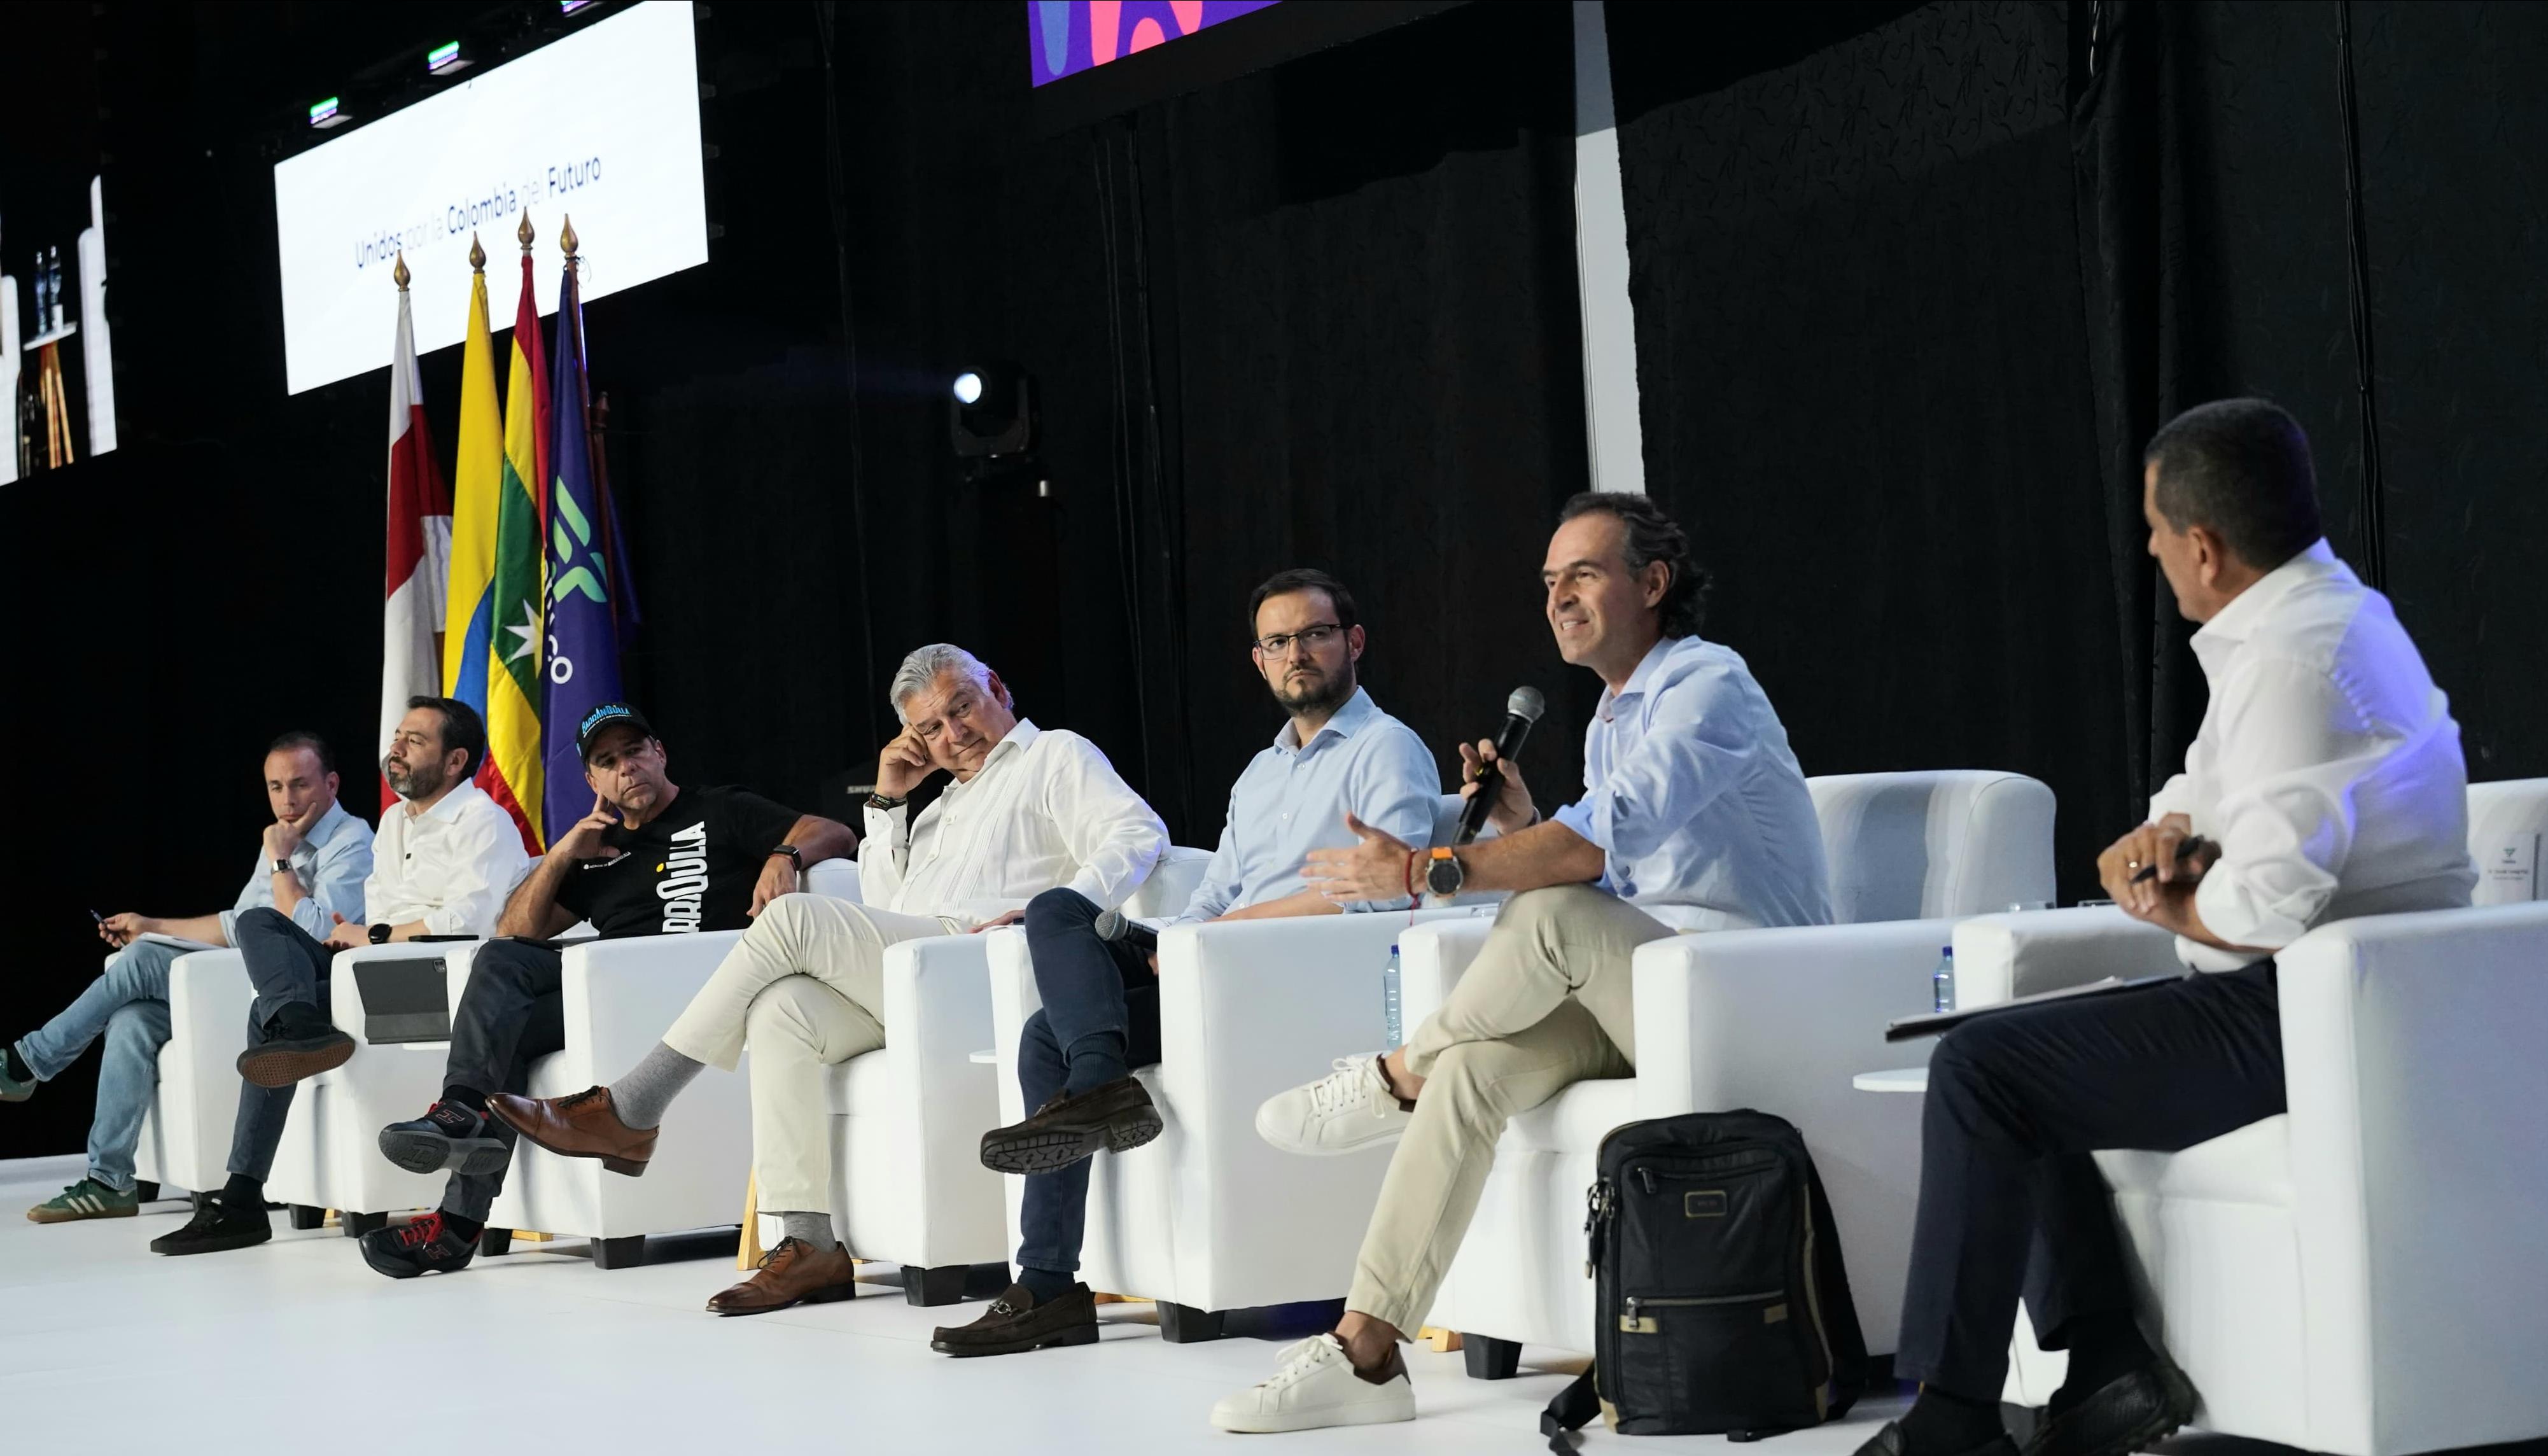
x=1942, y=981
x=44, y=295
x=1389, y=1002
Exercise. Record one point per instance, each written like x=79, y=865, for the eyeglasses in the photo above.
x=1313, y=637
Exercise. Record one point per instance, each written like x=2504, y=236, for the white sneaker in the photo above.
x=1350, y=1108
x=1315, y=1386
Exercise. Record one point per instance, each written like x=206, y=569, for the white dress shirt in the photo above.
x=450, y=866
x=2328, y=767
x=1294, y=797
x=1046, y=810
x=1692, y=791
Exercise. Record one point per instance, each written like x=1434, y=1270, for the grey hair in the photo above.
x=922, y=669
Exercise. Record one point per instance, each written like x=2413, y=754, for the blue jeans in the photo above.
x=128, y=1003
x=1089, y=988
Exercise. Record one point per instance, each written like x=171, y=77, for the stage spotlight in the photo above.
x=444, y=60
x=992, y=413
x=324, y=115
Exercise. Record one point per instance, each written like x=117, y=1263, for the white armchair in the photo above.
x=908, y=1185
x=1779, y=1020
x=1207, y=1219
x=619, y=997
x=2357, y=1275
x=186, y=1134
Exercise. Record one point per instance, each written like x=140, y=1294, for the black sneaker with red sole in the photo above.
x=427, y=1246
x=451, y=1138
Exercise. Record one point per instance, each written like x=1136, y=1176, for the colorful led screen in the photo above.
x=1067, y=36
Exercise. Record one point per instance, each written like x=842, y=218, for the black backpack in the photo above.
x=1721, y=1304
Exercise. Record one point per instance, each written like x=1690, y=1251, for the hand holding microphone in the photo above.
x=1492, y=789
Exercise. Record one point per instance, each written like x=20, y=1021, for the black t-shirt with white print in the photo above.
x=691, y=868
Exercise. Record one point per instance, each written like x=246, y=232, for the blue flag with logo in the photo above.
x=583, y=665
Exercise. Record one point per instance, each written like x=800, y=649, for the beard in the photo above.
x=413, y=781
x=1324, y=693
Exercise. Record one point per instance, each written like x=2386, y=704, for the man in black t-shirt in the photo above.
x=651, y=859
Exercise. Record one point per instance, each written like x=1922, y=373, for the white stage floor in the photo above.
x=296, y=1344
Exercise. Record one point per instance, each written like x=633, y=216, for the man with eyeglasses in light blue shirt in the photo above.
x=310, y=866
x=1341, y=767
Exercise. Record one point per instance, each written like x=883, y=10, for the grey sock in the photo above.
x=651, y=1085
x=814, y=1230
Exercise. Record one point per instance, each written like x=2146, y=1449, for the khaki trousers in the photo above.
x=1548, y=1003
x=805, y=989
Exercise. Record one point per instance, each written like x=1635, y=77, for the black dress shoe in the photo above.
x=452, y=1137
x=215, y=1228
x=297, y=1042
x=1016, y=1323
x=2126, y=1414
x=1889, y=1442
x=1118, y=1116
x=426, y=1245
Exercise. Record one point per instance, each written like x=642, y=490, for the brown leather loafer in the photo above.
x=585, y=1125
x=794, y=1273
x=1014, y=1324
x=1119, y=1116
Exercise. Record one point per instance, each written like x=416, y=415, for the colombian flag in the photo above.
x=468, y=634
x=517, y=586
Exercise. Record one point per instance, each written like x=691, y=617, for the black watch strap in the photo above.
x=792, y=852
x=888, y=805
x=381, y=934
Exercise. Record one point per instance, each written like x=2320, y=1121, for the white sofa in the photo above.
x=1208, y=1219
x=620, y=996
x=1777, y=1020
x=2360, y=1275
x=908, y=1185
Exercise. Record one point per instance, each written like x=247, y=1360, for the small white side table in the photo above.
x=1900, y=1080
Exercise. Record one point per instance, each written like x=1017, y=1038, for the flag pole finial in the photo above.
x=400, y=274
x=566, y=239
x=476, y=255
x=525, y=231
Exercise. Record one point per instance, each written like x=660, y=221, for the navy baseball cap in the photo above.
x=605, y=718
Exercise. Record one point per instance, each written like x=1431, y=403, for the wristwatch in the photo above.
x=1445, y=874
x=881, y=803
x=791, y=853
x=381, y=934
x=282, y=866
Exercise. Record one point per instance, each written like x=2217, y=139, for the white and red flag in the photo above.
x=420, y=545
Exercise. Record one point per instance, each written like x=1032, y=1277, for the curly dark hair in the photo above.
x=1653, y=536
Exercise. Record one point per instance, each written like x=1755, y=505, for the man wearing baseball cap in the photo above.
x=651, y=859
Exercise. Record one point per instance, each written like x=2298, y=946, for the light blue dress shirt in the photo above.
x=333, y=861
x=1692, y=793
x=1294, y=797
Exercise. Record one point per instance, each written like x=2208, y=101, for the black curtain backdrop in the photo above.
x=1862, y=373
x=1909, y=306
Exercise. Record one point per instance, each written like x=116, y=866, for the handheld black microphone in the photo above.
x=1115, y=928
x=1520, y=711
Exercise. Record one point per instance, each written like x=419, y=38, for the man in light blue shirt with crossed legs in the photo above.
x=1338, y=768
x=1694, y=816
x=310, y=866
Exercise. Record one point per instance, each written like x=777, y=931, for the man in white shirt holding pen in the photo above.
x=442, y=861
x=1029, y=809
x=1694, y=816
x=2325, y=782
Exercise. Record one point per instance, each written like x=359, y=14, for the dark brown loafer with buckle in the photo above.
x=1118, y=1116
x=794, y=1273
x=585, y=1125
x=2124, y=1415
x=1015, y=1323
